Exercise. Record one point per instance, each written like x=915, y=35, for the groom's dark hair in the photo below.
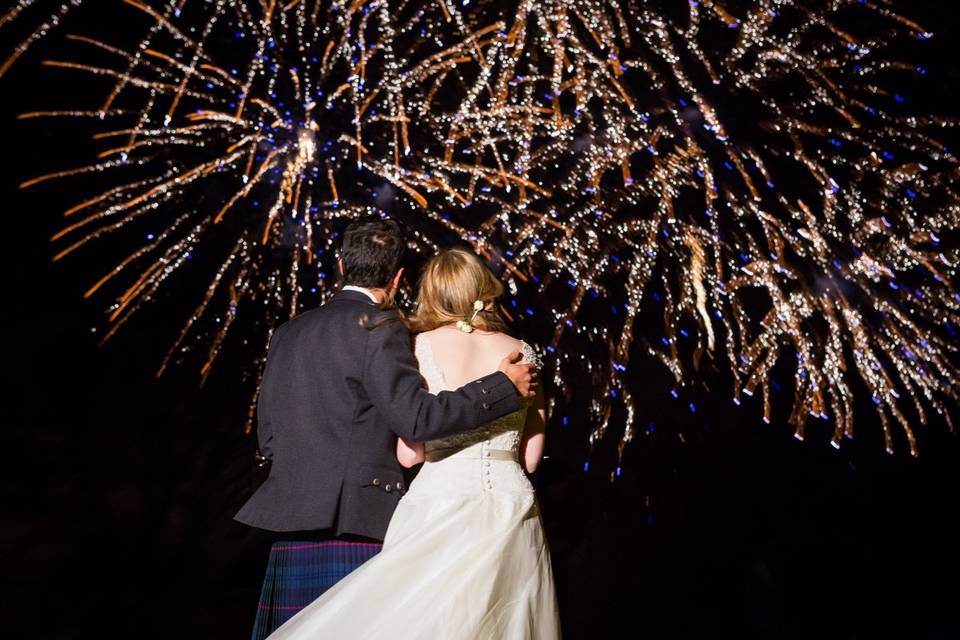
x=372, y=251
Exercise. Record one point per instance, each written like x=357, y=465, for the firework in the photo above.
x=747, y=171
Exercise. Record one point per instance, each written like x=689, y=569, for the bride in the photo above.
x=464, y=555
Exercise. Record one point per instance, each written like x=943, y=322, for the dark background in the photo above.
x=119, y=489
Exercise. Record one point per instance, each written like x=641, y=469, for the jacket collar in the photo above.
x=354, y=296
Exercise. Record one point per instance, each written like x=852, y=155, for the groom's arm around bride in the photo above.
x=395, y=386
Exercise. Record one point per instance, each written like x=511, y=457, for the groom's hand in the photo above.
x=523, y=376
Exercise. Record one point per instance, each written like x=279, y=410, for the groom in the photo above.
x=339, y=386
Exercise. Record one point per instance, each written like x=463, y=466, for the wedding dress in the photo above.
x=464, y=556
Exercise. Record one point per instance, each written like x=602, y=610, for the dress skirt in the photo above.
x=464, y=558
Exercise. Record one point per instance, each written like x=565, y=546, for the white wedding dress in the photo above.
x=464, y=555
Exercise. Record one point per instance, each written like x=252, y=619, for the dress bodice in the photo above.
x=502, y=434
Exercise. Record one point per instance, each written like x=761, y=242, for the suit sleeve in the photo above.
x=395, y=388
x=264, y=413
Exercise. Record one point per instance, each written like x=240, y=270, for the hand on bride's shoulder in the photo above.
x=522, y=355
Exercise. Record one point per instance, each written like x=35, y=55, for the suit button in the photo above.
x=399, y=486
x=485, y=405
x=376, y=482
x=388, y=488
x=484, y=391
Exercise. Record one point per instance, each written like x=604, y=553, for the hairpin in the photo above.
x=466, y=325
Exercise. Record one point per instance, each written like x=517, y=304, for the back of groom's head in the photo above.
x=371, y=253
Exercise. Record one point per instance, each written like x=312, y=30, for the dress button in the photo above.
x=376, y=482
x=487, y=463
x=388, y=488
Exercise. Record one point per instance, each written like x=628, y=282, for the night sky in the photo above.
x=119, y=489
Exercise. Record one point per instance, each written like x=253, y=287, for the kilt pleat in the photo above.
x=299, y=572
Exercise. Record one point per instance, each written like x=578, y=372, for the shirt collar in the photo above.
x=366, y=292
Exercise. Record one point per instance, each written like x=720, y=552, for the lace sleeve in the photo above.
x=423, y=352
x=530, y=356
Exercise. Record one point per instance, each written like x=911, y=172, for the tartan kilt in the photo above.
x=299, y=572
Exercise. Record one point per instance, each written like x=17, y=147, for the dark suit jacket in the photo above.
x=335, y=395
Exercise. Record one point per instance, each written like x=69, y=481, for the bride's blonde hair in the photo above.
x=450, y=285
